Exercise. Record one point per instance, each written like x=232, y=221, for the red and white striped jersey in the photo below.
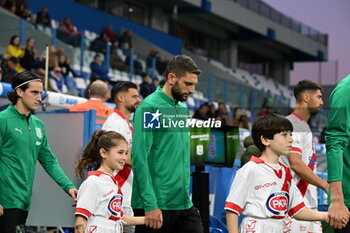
x=264, y=190
x=303, y=145
x=117, y=122
x=100, y=196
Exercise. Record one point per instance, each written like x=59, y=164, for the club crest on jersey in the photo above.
x=277, y=203
x=115, y=205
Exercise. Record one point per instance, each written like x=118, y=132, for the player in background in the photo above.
x=126, y=97
x=302, y=157
x=99, y=204
x=23, y=142
x=263, y=189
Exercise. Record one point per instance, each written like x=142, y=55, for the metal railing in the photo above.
x=267, y=11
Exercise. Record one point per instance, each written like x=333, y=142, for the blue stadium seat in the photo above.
x=70, y=82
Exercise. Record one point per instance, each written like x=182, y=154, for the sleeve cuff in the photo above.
x=71, y=186
x=233, y=208
x=296, y=150
x=151, y=208
x=296, y=209
x=83, y=212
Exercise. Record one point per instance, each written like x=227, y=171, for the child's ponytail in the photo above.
x=90, y=158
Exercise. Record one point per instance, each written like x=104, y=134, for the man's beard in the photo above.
x=175, y=91
x=313, y=111
x=131, y=108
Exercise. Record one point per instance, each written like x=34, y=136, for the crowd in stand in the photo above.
x=27, y=57
x=239, y=118
x=20, y=58
x=61, y=75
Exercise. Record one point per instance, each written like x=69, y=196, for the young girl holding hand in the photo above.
x=99, y=198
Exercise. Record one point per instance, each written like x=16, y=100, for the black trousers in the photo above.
x=174, y=221
x=344, y=230
x=13, y=221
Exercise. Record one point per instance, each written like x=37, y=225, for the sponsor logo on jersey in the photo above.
x=19, y=130
x=115, y=205
x=277, y=203
x=109, y=193
x=38, y=132
x=266, y=185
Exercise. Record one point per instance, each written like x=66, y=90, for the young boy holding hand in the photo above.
x=263, y=189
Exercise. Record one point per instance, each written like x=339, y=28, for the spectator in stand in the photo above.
x=154, y=84
x=5, y=4
x=11, y=6
x=14, y=49
x=43, y=17
x=57, y=80
x=53, y=56
x=212, y=111
x=138, y=69
x=145, y=86
x=264, y=110
x=98, y=71
x=221, y=114
x=110, y=34
x=240, y=118
x=71, y=29
x=202, y=112
x=99, y=44
x=149, y=58
x=69, y=26
x=125, y=41
x=68, y=33
x=63, y=63
x=9, y=70
x=41, y=72
x=160, y=62
x=28, y=60
x=99, y=93
x=117, y=62
x=62, y=27
x=24, y=12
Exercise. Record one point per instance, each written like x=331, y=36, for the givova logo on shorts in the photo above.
x=277, y=203
x=115, y=205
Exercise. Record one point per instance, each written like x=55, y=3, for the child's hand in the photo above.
x=1, y=210
x=345, y=220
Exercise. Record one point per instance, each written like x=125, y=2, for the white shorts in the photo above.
x=261, y=225
x=128, y=212
x=292, y=225
x=103, y=225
